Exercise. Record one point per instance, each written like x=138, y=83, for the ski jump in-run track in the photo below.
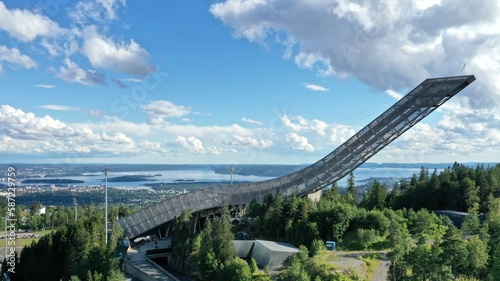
x=396, y=120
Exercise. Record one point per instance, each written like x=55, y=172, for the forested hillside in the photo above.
x=397, y=220
x=457, y=188
x=76, y=251
x=422, y=246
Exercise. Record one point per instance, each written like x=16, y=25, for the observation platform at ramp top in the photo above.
x=404, y=114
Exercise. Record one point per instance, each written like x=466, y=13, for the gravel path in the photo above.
x=352, y=259
x=380, y=273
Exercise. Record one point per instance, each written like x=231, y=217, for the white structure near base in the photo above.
x=315, y=196
x=270, y=253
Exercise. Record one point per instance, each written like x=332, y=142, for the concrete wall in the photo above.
x=261, y=254
x=265, y=253
x=315, y=196
x=243, y=248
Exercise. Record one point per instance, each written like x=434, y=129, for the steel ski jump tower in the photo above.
x=396, y=120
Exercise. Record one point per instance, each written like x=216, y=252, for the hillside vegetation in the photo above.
x=397, y=220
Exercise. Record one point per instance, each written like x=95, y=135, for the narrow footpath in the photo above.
x=380, y=273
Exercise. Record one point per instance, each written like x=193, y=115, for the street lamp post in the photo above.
x=106, y=203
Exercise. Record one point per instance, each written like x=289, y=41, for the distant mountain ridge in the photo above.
x=419, y=165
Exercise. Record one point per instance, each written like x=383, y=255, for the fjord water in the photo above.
x=204, y=174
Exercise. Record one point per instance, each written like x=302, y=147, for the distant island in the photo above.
x=184, y=180
x=133, y=178
x=52, y=181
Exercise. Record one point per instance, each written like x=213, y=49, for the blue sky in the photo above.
x=240, y=81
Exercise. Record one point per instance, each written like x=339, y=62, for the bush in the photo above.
x=235, y=269
x=317, y=247
x=253, y=265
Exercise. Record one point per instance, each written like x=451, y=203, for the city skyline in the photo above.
x=240, y=81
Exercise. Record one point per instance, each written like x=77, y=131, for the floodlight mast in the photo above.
x=76, y=209
x=231, y=169
x=106, y=204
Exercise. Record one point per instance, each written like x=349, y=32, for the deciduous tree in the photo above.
x=235, y=269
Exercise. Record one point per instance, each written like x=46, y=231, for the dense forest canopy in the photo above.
x=459, y=188
x=397, y=220
x=75, y=251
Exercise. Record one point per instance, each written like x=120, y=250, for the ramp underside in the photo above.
x=396, y=120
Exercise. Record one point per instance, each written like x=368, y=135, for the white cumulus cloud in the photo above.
x=26, y=25
x=251, y=142
x=297, y=142
x=15, y=58
x=319, y=134
x=394, y=94
x=95, y=10
x=195, y=145
x=25, y=133
x=390, y=46
x=158, y=110
x=124, y=57
x=72, y=73
x=383, y=43
x=299, y=123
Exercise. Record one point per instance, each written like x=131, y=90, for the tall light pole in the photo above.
x=106, y=204
x=231, y=169
x=76, y=209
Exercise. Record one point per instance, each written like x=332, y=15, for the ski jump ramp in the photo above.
x=396, y=120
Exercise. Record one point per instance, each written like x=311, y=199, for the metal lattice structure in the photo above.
x=396, y=120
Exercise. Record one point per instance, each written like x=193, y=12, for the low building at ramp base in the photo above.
x=266, y=253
